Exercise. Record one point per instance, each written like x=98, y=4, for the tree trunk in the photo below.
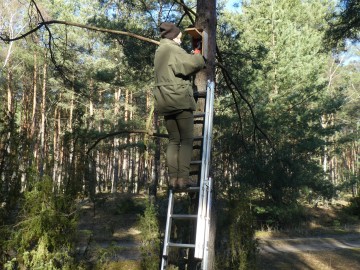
x=156, y=168
x=42, y=124
x=206, y=10
x=10, y=106
x=115, y=177
x=56, y=149
x=148, y=179
x=32, y=138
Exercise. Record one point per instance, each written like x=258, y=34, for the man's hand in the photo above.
x=197, y=46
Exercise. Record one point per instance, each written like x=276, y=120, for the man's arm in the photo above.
x=184, y=64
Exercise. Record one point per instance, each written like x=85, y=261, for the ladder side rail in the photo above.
x=205, y=149
x=201, y=206
x=202, y=200
x=207, y=227
x=167, y=231
x=200, y=252
x=203, y=196
x=200, y=226
x=209, y=129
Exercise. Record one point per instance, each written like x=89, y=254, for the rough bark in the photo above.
x=206, y=20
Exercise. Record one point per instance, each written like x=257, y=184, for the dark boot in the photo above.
x=173, y=183
x=184, y=183
x=181, y=183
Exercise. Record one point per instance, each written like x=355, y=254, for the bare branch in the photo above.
x=93, y=28
x=148, y=11
x=140, y=131
x=52, y=56
x=186, y=8
x=187, y=12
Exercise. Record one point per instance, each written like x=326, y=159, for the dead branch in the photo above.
x=139, y=131
x=93, y=28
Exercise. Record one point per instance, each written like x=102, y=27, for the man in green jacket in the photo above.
x=174, y=100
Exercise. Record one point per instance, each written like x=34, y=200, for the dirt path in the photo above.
x=309, y=244
x=340, y=252
x=107, y=230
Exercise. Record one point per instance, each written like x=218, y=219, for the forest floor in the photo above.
x=109, y=238
x=330, y=241
x=318, y=254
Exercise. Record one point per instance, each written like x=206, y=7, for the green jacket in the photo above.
x=173, y=90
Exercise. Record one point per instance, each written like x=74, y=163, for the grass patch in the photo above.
x=308, y=232
x=318, y=221
x=121, y=265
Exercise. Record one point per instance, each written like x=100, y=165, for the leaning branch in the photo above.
x=140, y=131
x=93, y=28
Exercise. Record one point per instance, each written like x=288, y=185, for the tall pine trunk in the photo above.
x=206, y=19
x=42, y=123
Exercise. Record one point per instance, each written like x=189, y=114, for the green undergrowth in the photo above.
x=312, y=221
x=42, y=237
x=121, y=265
x=123, y=212
x=150, y=243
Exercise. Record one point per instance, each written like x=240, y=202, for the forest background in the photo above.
x=77, y=116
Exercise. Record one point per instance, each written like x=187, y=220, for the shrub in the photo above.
x=279, y=216
x=150, y=248
x=43, y=236
x=240, y=248
x=354, y=206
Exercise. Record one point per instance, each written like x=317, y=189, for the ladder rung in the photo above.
x=198, y=138
x=197, y=147
x=199, y=114
x=180, y=245
x=189, y=189
x=195, y=162
x=182, y=216
x=201, y=94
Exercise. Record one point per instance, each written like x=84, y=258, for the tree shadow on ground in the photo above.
x=107, y=228
x=281, y=261
x=338, y=259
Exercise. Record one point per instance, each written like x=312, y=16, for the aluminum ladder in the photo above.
x=202, y=218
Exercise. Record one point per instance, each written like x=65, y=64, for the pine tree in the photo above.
x=283, y=75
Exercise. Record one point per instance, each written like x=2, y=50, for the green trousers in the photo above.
x=180, y=128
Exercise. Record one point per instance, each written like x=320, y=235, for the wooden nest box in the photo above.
x=197, y=33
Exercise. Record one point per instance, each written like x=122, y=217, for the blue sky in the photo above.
x=230, y=4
